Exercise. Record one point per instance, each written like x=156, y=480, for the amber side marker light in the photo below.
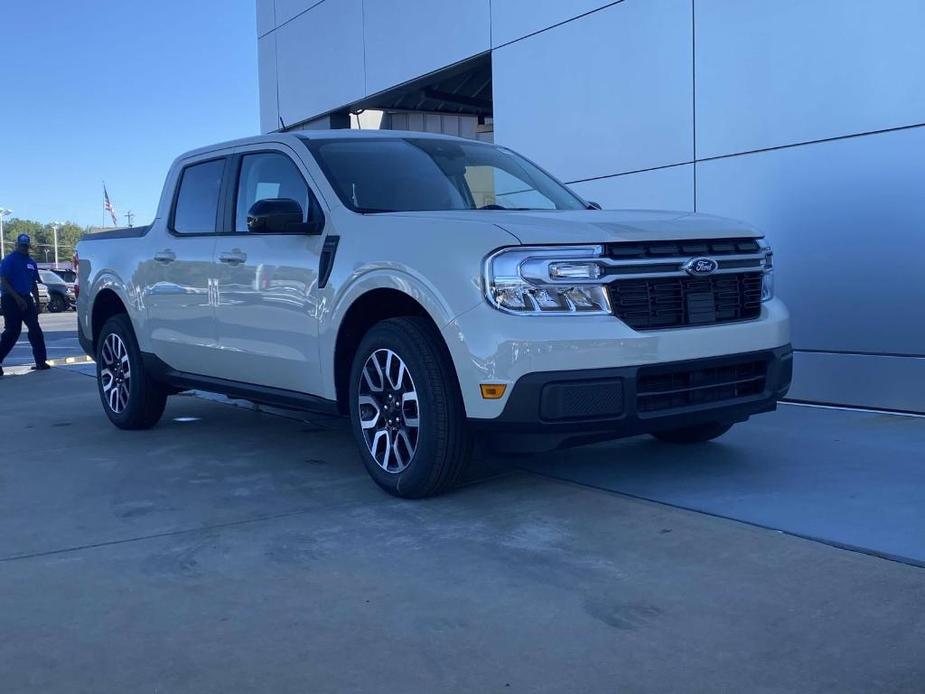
x=493, y=391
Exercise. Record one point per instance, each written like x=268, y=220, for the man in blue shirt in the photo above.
x=19, y=277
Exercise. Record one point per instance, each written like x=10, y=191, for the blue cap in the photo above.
x=23, y=240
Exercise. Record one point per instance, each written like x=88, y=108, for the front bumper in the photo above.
x=554, y=409
x=488, y=346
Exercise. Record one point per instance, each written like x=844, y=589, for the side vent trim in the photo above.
x=326, y=263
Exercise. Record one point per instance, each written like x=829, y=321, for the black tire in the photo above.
x=146, y=398
x=443, y=442
x=57, y=304
x=699, y=433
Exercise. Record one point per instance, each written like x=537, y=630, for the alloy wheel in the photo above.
x=388, y=410
x=115, y=373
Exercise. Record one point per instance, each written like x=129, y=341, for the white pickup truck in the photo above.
x=436, y=291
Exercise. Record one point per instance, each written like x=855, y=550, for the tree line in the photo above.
x=43, y=238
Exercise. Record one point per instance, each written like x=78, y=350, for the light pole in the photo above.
x=3, y=213
x=54, y=229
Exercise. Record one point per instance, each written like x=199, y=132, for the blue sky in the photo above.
x=113, y=90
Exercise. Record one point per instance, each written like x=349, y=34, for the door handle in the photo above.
x=165, y=256
x=233, y=257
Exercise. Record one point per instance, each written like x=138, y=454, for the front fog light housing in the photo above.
x=767, y=267
x=767, y=285
x=547, y=280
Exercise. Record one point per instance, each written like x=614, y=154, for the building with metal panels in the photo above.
x=804, y=118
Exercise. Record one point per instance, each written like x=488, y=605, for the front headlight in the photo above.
x=547, y=280
x=767, y=280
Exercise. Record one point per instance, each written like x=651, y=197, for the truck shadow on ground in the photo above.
x=640, y=459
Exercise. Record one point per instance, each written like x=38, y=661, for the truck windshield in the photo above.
x=404, y=174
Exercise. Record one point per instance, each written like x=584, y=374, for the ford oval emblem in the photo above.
x=701, y=266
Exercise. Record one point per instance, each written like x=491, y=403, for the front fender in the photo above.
x=402, y=279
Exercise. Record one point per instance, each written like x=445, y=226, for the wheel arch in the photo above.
x=106, y=304
x=365, y=311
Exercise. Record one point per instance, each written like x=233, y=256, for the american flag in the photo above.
x=107, y=205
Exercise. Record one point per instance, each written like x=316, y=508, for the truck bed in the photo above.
x=126, y=233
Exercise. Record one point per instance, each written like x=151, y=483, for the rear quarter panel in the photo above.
x=119, y=264
x=121, y=260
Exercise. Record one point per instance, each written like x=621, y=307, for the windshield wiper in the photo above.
x=506, y=209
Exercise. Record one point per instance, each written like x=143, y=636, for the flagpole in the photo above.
x=104, y=206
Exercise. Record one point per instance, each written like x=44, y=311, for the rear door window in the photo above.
x=196, y=210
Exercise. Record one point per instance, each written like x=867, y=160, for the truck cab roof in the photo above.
x=294, y=136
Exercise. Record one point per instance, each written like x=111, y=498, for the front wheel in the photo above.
x=131, y=399
x=57, y=304
x=699, y=433
x=406, y=411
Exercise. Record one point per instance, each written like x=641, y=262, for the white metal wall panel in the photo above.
x=266, y=17
x=409, y=38
x=893, y=383
x=514, y=19
x=266, y=70
x=608, y=93
x=288, y=9
x=320, y=60
x=450, y=124
x=777, y=73
x=848, y=227
x=662, y=189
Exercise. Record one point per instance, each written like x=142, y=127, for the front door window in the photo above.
x=269, y=175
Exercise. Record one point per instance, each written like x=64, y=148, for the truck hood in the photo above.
x=599, y=226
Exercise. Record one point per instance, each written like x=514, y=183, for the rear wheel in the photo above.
x=699, y=433
x=131, y=399
x=406, y=411
x=57, y=304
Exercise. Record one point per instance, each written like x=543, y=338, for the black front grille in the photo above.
x=658, y=389
x=671, y=302
x=647, y=250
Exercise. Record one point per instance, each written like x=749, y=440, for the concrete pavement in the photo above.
x=227, y=550
x=851, y=478
x=60, y=331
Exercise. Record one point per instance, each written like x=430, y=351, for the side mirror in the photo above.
x=279, y=216
x=594, y=205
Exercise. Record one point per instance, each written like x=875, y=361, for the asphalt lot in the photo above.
x=233, y=550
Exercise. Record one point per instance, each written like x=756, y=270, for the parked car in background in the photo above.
x=69, y=276
x=61, y=296
x=70, y=279
x=44, y=298
x=436, y=291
